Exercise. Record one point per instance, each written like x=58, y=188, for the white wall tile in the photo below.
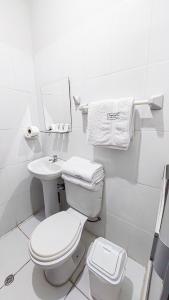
x=116, y=85
x=74, y=143
x=15, y=109
x=123, y=164
x=153, y=159
x=21, y=195
x=137, y=242
x=18, y=110
x=130, y=33
x=15, y=19
x=7, y=217
x=29, y=201
x=157, y=83
x=15, y=148
x=23, y=70
x=132, y=201
x=139, y=247
x=159, y=44
x=17, y=178
x=94, y=47
x=6, y=68
x=117, y=231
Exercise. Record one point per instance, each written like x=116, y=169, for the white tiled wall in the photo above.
x=112, y=48
x=19, y=194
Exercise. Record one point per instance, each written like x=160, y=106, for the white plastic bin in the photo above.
x=106, y=263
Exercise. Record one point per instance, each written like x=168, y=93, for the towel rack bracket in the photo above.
x=156, y=102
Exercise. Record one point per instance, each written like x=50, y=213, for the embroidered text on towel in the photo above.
x=113, y=116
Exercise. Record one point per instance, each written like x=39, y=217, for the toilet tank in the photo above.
x=87, y=202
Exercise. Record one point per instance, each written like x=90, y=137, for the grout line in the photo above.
x=3, y=286
x=17, y=163
x=19, y=90
x=83, y=293
x=117, y=71
x=69, y=291
x=22, y=267
x=23, y=232
x=74, y=286
x=17, y=225
x=74, y=283
x=111, y=214
x=26, y=219
x=32, y=215
x=151, y=186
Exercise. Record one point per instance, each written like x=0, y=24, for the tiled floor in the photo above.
x=30, y=284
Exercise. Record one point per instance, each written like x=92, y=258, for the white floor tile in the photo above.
x=75, y=294
x=87, y=239
x=131, y=289
x=83, y=283
x=13, y=253
x=30, y=284
x=30, y=224
x=133, y=281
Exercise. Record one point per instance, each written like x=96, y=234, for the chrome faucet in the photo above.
x=54, y=158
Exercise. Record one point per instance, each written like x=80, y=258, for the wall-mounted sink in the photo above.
x=48, y=170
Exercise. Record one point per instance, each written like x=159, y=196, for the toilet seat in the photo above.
x=55, y=237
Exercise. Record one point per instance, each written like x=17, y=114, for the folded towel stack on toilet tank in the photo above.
x=83, y=172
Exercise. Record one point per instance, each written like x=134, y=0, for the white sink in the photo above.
x=48, y=172
x=45, y=169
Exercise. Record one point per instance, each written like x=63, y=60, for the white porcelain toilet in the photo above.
x=55, y=244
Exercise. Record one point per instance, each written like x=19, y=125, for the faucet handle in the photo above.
x=53, y=158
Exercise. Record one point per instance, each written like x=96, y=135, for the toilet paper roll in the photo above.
x=32, y=132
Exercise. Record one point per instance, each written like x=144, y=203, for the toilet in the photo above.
x=55, y=245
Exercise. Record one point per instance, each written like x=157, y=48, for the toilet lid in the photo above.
x=55, y=236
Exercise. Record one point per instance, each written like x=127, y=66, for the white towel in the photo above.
x=86, y=185
x=111, y=123
x=83, y=169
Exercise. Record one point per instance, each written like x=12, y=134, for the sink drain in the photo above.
x=9, y=279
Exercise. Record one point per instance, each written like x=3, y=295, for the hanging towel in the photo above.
x=83, y=169
x=111, y=123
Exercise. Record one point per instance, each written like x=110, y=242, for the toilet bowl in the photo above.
x=55, y=245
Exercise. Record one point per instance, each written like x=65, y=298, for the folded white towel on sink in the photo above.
x=83, y=169
x=111, y=123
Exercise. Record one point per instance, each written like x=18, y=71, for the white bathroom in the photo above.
x=84, y=150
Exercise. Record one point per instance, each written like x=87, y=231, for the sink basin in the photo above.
x=44, y=169
x=48, y=172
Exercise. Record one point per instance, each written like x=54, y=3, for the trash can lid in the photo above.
x=107, y=260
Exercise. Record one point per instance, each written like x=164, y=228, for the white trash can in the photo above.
x=106, y=263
